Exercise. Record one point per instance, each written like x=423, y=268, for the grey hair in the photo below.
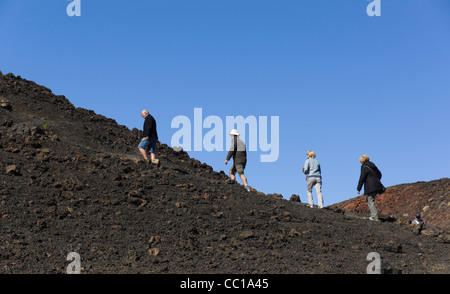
x=144, y=111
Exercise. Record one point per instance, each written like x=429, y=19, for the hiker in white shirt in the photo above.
x=313, y=178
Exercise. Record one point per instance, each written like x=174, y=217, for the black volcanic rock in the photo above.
x=78, y=185
x=401, y=202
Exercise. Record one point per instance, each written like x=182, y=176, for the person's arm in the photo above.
x=306, y=167
x=147, y=128
x=232, y=150
x=362, y=179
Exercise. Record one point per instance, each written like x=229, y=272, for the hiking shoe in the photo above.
x=373, y=219
x=248, y=188
x=156, y=162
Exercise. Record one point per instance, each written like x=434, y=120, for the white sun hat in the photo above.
x=234, y=132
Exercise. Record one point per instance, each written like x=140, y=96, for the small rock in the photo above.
x=45, y=150
x=295, y=198
x=179, y=204
x=153, y=251
x=230, y=181
x=12, y=170
x=277, y=254
x=276, y=195
x=443, y=238
x=136, y=193
x=245, y=235
x=392, y=246
x=218, y=214
x=404, y=220
x=294, y=233
x=207, y=196
x=5, y=104
x=154, y=240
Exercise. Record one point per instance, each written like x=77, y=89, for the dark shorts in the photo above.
x=239, y=168
x=150, y=144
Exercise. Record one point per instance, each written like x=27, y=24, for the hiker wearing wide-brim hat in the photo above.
x=239, y=154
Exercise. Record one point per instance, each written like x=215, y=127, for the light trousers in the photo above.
x=314, y=182
x=371, y=204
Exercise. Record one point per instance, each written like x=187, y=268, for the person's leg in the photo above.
x=144, y=153
x=233, y=172
x=319, y=193
x=152, y=151
x=371, y=204
x=309, y=185
x=240, y=170
x=243, y=179
x=143, y=145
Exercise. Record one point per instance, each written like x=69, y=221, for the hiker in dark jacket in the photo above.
x=239, y=154
x=150, y=137
x=370, y=177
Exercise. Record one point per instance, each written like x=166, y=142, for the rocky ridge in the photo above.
x=401, y=202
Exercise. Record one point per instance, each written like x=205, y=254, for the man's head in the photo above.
x=310, y=154
x=144, y=113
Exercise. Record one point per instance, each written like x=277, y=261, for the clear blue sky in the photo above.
x=341, y=82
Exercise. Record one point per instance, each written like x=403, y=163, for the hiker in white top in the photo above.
x=313, y=178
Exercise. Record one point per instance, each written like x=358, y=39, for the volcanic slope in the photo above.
x=71, y=181
x=401, y=202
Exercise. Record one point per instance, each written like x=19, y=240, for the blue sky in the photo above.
x=342, y=83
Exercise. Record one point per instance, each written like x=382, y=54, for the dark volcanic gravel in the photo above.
x=72, y=181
